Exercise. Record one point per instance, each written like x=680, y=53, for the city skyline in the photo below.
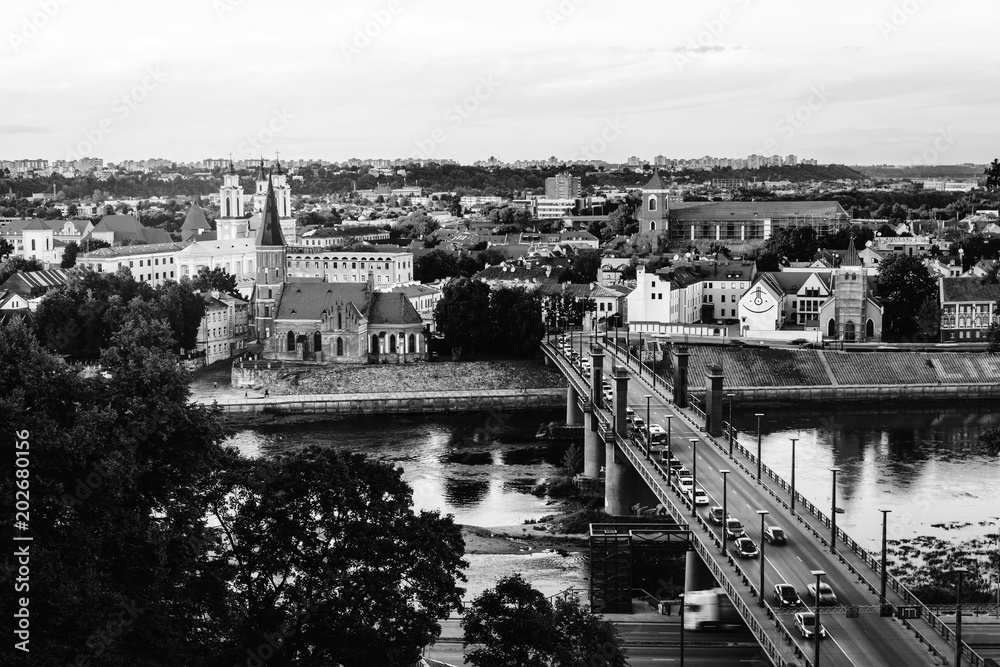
x=848, y=83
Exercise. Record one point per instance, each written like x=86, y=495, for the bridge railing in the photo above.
x=934, y=620
x=656, y=479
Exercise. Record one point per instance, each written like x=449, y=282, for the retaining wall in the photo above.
x=863, y=393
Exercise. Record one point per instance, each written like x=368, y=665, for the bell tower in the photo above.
x=271, y=264
x=231, y=224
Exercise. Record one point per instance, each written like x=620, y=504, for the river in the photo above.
x=922, y=462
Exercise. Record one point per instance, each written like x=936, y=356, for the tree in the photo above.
x=69, y=255
x=6, y=248
x=928, y=318
x=183, y=309
x=514, y=624
x=463, y=315
x=455, y=207
x=584, y=267
x=329, y=555
x=217, y=279
x=516, y=321
x=416, y=225
x=15, y=264
x=992, y=173
x=797, y=244
x=433, y=266
x=903, y=285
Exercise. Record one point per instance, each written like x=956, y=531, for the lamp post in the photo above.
x=818, y=629
x=833, y=513
x=638, y=355
x=694, y=471
x=648, y=443
x=760, y=593
x=731, y=397
x=885, y=514
x=958, y=617
x=670, y=451
x=758, y=415
x=725, y=505
x=794, y=440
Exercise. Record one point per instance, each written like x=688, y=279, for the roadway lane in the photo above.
x=866, y=641
x=641, y=656
x=640, y=632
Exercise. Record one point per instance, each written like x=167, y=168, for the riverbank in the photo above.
x=522, y=539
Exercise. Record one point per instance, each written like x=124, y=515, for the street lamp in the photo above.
x=670, y=451
x=725, y=505
x=762, y=513
x=638, y=355
x=818, y=629
x=648, y=443
x=958, y=617
x=885, y=514
x=833, y=513
x=731, y=397
x=793, y=474
x=694, y=471
x=758, y=415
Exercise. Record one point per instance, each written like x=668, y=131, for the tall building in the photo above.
x=562, y=186
x=270, y=250
x=276, y=180
x=232, y=224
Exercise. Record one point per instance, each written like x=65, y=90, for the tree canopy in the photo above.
x=217, y=279
x=903, y=285
x=514, y=624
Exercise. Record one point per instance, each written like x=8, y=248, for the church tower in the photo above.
x=654, y=209
x=270, y=267
x=850, y=292
x=232, y=224
x=276, y=178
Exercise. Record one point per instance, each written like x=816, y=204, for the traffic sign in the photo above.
x=908, y=612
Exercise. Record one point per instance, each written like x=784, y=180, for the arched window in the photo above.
x=340, y=347
x=317, y=342
x=374, y=349
x=392, y=344
x=340, y=319
x=831, y=329
x=290, y=345
x=267, y=311
x=229, y=205
x=412, y=347
x=652, y=226
x=870, y=329
x=652, y=203
x=32, y=244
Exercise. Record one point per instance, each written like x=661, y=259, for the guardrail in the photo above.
x=935, y=621
x=761, y=633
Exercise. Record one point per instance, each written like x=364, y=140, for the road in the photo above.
x=642, y=656
x=868, y=641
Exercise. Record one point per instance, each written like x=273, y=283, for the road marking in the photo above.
x=830, y=637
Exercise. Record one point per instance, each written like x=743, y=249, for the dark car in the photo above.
x=737, y=343
x=798, y=341
x=785, y=595
x=745, y=548
x=734, y=529
x=715, y=515
x=774, y=535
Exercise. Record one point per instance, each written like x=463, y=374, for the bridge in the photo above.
x=862, y=629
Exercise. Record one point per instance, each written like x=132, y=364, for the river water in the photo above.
x=921, y=462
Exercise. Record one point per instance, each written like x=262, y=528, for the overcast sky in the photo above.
x=851, y=81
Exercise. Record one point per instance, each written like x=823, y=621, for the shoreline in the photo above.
x=522, y=540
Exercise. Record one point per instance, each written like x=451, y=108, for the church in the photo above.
x=308, y=319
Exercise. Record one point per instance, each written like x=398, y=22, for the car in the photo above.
x=683, y=473
x=745, y=548
x=774, y=535
x=813, y=346
x=798, y=341
x=805, y=622
x=734, y=529
x=700, y=497
x=785, y=595
x=639, y=426
x=737, y=343
x=629, y=414
x=685, y=483
x=826, y=594
x=675, y=463
x=715, y=515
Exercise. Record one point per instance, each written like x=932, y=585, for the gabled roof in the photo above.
x=968, y=289
x=308, y=300
x=32, y=283
x=392, y=308
x=195, y=219
x=126, y=227
x=269, y=233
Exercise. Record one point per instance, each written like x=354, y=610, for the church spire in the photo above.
x=232, y=169
x=851, y=257
x=262, y=171
x=269, y=232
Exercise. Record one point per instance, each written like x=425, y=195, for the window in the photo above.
x=723, y=299
x=140, y=262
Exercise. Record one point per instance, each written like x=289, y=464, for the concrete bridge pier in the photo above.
x=574, y=415
x=713, y=401
x=681, y=355
x=622, y=484
x=697, y=576
x=593, y=450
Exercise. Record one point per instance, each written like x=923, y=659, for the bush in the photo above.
x=556, y=486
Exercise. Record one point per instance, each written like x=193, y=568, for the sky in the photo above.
x=850, y=81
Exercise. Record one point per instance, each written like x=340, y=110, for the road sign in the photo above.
x=886, y=610
x=852, y=611
x=908, y=612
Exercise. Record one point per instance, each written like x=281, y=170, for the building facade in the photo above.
x=968, y=308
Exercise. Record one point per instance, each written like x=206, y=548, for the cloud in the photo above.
x=707, y=48
x=23, y=129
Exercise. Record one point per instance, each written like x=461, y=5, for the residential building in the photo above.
x=562, y=186
x=968, y=308
x=611, y=270
x=327, y=237
x=153, y=263
x=725, y=283
x=385, y=269
x=30, y=285
x=116, y=229
x=423, y=298
x=224, y=328
x=945, y=266
x=669, y=296
x=554, y=208
x=903, y=245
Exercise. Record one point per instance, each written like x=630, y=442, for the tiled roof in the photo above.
x=308, y=300
x=968, y=289
x=132, y=250
x=126, y=227
x=655, y=183
x=195, y=219
x=29, y=283
x=392, y=308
